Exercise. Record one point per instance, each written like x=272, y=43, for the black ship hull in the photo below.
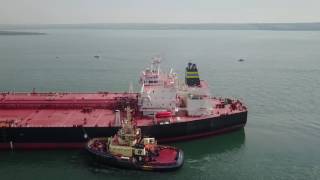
x=110, y=160
x=75, y=137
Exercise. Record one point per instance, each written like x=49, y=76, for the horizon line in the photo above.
x=160, y=23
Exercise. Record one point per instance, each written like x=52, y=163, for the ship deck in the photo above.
x=69, y=110
x=10, y=96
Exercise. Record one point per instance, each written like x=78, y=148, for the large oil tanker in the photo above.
x=165, y=108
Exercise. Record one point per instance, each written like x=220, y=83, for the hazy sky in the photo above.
x=157, y=11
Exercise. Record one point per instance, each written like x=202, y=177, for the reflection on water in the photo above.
x=200, y=148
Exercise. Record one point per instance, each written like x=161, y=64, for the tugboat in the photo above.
x=129, y=149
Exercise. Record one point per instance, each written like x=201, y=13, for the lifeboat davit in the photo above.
x=163, y=114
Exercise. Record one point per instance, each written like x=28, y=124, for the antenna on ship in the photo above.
x=155, y=66
x=130, y=87
x=129, y=115
x=142, y=88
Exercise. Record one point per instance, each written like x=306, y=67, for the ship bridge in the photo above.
x=158, y=89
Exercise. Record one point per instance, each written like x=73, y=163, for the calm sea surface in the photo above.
x=279, y=81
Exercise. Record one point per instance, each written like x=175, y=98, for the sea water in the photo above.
x=279, y=81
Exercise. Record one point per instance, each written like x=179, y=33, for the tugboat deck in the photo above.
x=166, y=156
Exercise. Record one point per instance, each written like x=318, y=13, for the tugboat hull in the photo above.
x=129, y=163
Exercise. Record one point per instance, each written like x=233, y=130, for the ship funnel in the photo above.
x=192, y=75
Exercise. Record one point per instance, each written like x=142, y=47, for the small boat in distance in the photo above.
x=240, y=60
x=129, y=149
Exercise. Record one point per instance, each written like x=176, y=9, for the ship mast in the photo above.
x=129, y=115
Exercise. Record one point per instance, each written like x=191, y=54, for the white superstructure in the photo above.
x=162, y=91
